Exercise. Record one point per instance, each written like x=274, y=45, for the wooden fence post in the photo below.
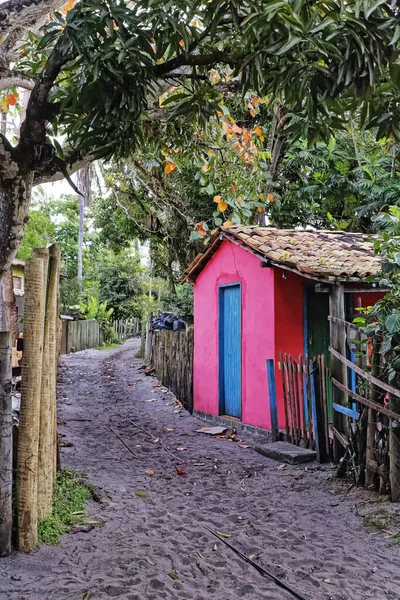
x=272, y=399
x=28, y=439
x=46, y=472
x=338, y=369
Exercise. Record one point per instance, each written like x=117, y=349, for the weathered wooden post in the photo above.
x=28, y=439
x=46, y=472
x=7, y=323
x=338, y=369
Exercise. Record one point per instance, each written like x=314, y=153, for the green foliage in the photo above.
x=119, y=281
x=70, y=295
x=71, y=494
x=383, y=320
x=180, y=303
x=39, y=232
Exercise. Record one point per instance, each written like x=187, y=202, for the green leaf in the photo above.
x=289, y=44
x=173, y=575
x=392, y=323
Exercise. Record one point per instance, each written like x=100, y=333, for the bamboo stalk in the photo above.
x=28, y=442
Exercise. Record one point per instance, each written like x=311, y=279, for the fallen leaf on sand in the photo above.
x=252, y=556
x=244, y=446
x=141, y=494
x=181, y=449
x=173, y=575
x=224, y=535
x=328, y=581
x=156, y=440
x=150, y=472
x=86, y=596
x=215, y=547
x=281, y=467
x=149, y=561
x=199, y=554
x=199, y=464
x=170, y=429
x=180, y=472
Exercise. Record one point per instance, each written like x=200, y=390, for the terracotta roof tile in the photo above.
x=323, y=254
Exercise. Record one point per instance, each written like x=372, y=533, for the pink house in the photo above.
x=262, y=291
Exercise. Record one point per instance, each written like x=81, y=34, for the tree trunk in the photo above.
x=15, y=197
x=5, y=444
x=7, y=334
x=28, y=442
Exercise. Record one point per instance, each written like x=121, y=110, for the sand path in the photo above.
x=296, y=524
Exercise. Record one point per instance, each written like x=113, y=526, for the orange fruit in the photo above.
x=222, y=206
x=169, y=167
x=12, y=99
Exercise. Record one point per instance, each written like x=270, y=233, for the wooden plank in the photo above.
x=346, y=324
x=288, y=395
x=272, y=399
x=309, y=405
x=324, y=401
x=349, y=412
x=338, y=342
x=293, y=400
x=314, y=412
x=367, y=376
x=341, y=438
x=301, y=399
x=367, y=402
x=285, y=405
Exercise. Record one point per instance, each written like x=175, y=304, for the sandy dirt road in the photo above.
x=295, y=523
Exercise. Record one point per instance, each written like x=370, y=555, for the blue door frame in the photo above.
x=230, y=349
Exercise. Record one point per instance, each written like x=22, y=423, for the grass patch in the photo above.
x=375, y=522
x=71, y=494
x=109, y=346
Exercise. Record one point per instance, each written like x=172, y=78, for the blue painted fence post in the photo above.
x=272, y=399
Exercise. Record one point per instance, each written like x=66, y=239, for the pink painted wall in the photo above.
x=289, y=329
x=232, y=264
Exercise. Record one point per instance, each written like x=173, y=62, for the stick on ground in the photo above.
x=124, y=443
x=261, y=570
x=179, y=460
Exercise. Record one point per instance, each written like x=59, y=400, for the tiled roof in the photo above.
x=319, y=254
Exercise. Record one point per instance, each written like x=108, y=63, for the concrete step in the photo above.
x=286, y=453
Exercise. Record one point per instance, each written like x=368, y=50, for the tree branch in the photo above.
x=197, y=60
x=10, y=79
x=24, y=13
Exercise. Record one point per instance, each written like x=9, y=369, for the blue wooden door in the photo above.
x=230, y=351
